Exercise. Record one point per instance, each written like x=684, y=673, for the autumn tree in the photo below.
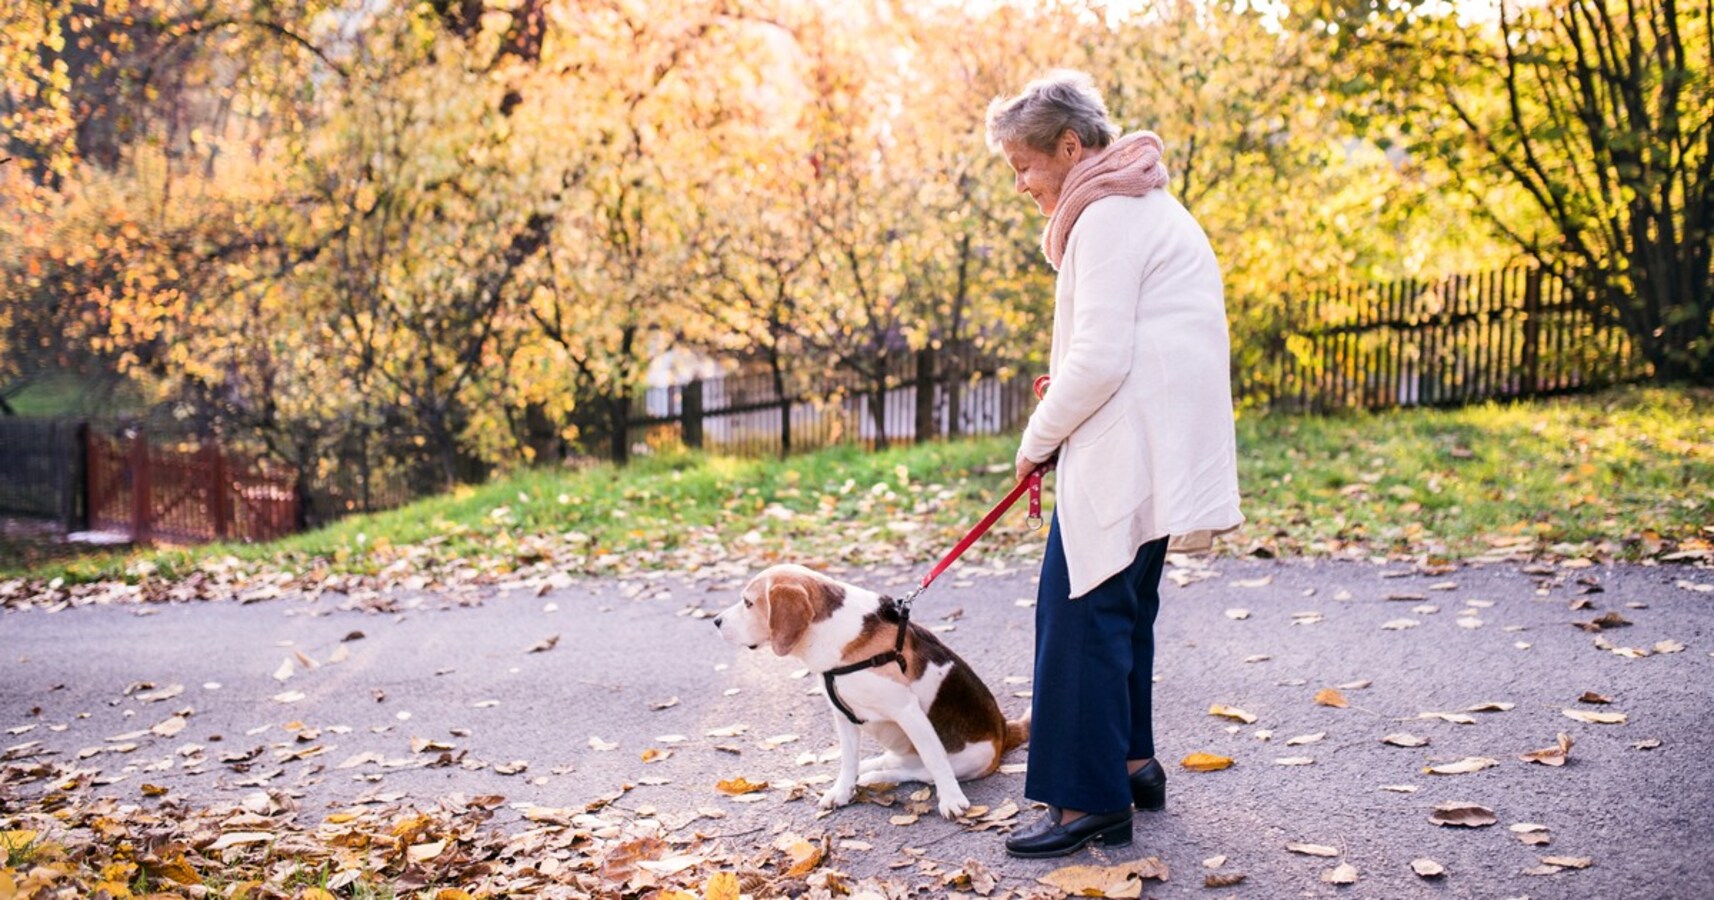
x=638, y=123
x=1599, y=115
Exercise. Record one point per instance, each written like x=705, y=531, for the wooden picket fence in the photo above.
x=928, y=394
x=184, y=494
x=1501, y=335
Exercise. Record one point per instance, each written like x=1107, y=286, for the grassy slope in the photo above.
x=1629, y=473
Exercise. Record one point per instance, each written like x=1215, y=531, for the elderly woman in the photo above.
x=1139, y=415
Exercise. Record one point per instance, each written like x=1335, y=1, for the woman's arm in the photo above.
x=1108, y=270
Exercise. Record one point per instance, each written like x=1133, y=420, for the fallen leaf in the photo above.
x=423, y=852
x=737, y=786
x=721, y=886
x=1595, y=718
x=1231, y=712
x=1236, y=614
x=1214, y=862
x=1124, y=880
x=1550, y=756
x=1491, y=706
x=1402, y=739
x=1231, y=879
x=1400, y=788
x=1263, y=581
x=170, y=727
x=1205, y=762
x=1569, y=862
x=903, y=820
x=1305, y=739
x=544, y=645
x=972, y=877
x=1462, y=767
x=1427, y=868
x=285, y=670
x=153, y=790
x=1312, y=849
x=655, y=755
x=1592, y=697
x=1454, y=718
x=668, y=703
x=1462, y=814
x=1399, y=624
x=239, y=838
x=1544, y=869
x=1294, y=761
x=1331, y=697
x=1646, y=744
x=1344, y=873
x=1603, y=622
x=603, y=746
x=166, y=693
x=1668, y=646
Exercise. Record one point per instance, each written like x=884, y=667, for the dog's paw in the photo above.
x=953, y=803
x=838, y=795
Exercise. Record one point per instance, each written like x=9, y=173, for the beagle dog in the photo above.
x=935, y=719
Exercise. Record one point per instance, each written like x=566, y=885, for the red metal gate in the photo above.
x=170, y=494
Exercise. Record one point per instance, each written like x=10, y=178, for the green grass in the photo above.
x=69, y=394
x=1628, y=474
x=1621, y=473
x=21, y=851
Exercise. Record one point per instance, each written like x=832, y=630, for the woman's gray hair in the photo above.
x=1061, y=100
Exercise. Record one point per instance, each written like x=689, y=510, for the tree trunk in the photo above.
x=778, y=370
x=878, y=408
x=926, y=427
x=618, y=424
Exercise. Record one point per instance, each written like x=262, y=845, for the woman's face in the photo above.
x=1042, y=175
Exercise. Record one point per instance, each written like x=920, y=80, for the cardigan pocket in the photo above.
x=1115, y=480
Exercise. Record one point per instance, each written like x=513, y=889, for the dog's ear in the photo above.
x=789, y=614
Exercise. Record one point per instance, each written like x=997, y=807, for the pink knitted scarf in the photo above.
x=1130, y=167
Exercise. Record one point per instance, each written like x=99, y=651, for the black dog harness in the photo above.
x=895, y=655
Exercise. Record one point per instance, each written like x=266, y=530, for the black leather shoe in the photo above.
x=1047, y=837
x=1148, y=786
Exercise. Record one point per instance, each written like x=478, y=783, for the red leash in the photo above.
x=1031, y=483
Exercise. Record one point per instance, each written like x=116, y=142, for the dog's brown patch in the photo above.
x=794, y=601
x=963, y=709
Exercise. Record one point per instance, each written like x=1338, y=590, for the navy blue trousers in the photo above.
x=1094, y=673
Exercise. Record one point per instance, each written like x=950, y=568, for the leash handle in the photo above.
x=1034, y=520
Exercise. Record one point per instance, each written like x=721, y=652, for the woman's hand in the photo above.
x=1024, y=465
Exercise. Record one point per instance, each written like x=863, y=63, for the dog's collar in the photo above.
x=888, y=657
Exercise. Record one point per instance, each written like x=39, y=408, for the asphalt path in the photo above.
x=421, y=696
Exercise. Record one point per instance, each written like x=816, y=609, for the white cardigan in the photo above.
x=1140, y=407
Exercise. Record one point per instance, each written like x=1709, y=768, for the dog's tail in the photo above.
x=1017, y=733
